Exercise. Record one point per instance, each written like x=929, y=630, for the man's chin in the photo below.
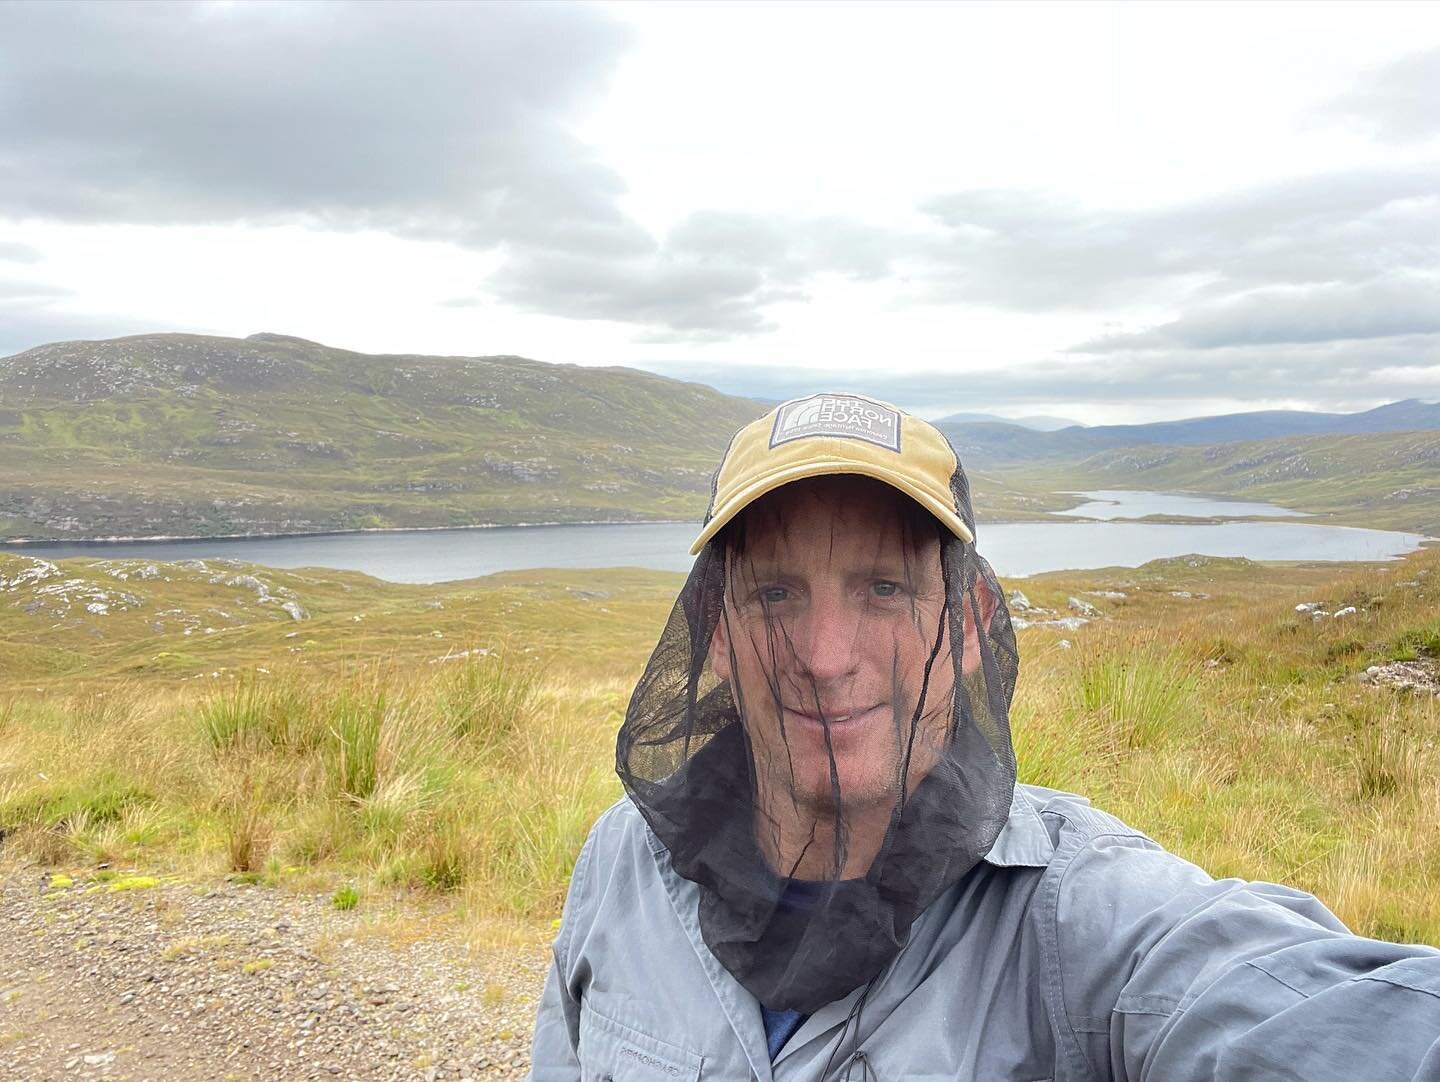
x=823, y=798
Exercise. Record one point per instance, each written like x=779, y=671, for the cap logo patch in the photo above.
x=844, y=415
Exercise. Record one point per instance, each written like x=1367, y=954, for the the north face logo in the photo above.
x=844, y=415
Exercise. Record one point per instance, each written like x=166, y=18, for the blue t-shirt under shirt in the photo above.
x=780, y=1026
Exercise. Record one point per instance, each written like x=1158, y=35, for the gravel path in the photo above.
x=228, y=981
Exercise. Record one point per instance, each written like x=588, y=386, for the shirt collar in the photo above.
x=1024, y=840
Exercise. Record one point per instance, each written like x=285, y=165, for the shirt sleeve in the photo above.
x=555, y=1047
x=1163, y=973
x=554, y=1052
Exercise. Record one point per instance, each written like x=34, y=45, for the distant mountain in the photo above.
x=1039, y=423
x=177, y=434
x=1406, y=416
x=1009, y=444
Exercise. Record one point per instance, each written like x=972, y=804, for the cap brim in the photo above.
x=770, y=482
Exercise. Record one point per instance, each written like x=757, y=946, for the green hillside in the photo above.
x=1381, y=480
x=183, y=434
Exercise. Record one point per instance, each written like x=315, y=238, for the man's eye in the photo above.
x=773, y=595
x=885, y=589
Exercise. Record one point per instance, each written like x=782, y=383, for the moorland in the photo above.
x=457, y=739
x=412, y=755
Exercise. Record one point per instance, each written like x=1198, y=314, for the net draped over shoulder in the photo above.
x=865, y=786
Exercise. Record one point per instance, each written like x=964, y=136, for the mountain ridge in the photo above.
x=999, y=444
x=199, y=435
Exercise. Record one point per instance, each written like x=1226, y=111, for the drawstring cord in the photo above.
x=867, y=1072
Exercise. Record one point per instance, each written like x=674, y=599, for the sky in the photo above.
x=1104, y=212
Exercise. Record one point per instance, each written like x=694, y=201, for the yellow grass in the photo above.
x=1232, y=729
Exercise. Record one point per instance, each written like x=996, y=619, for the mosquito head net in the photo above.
x=820, y=739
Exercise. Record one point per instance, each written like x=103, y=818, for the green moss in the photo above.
x=132, y=882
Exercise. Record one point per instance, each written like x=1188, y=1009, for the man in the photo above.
x=824, y=869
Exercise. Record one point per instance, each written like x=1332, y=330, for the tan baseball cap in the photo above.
x=835, y=433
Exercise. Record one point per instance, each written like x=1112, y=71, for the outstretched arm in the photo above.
x=1166, y=974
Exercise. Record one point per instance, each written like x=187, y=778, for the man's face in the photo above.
x=834, y=604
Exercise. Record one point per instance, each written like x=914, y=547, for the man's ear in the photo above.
x=989, y=602
x=984, y=602
x=720, y=649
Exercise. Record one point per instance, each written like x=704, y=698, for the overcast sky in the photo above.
x=1104, y=212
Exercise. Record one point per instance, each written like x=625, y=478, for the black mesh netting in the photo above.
x=821, y=737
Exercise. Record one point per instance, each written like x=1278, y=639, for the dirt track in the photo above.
x=228, y=981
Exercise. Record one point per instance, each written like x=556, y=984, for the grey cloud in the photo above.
x=430, y=120
x=451, y=122
x=1329, y=375
x=1395, y=102
x=434, y=121
x=12, y=290
x=1029, y=252
x=689, y=298
x=710, y=279
x=13, y=252
x=714, y=274
x=1398, y=305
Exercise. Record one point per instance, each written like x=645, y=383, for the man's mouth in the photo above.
x=839, y=716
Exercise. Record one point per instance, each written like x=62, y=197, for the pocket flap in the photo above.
x=611, y=1051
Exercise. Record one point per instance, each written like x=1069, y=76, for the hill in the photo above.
x=1386, y=480
x=188, y=435
x=178, y=434
x=1002, y=444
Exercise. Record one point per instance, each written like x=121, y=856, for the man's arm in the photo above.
x=1331, y=1009
x=1166, y=974
x=553, y=1053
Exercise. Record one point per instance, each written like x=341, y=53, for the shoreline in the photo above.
x=1057, y=518
x=158, y=538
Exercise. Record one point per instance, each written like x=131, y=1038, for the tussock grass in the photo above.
x=1232, y=729
x=1145, y=690
x=479, y=778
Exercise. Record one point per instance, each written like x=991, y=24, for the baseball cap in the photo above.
x=835, y=433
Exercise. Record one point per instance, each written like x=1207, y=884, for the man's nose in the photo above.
x=829, y=644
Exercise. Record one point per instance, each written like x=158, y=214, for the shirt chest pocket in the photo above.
x=613, y=1052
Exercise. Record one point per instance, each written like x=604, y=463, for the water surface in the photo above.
x=1016, y=549
x=1127, y=503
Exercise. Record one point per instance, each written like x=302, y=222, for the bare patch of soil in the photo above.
x=228, y=981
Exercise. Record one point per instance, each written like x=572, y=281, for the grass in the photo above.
x=345, y=897
x=389, y=773
x=1145, y=691
x=1231, y=728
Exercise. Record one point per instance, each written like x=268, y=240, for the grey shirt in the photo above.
x=1078, y=949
